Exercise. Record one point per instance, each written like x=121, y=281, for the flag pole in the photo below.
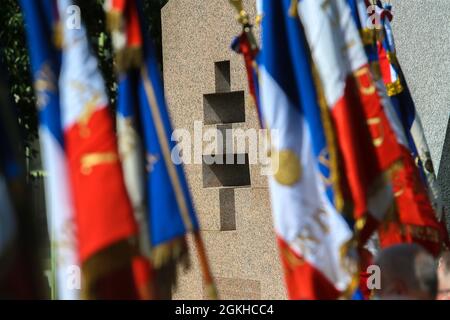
x=246, y=45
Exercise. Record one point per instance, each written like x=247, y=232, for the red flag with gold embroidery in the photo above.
x=103, y=213
x=367, y=144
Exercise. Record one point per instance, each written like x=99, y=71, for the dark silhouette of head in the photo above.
x=444, y=276
x=408, y=272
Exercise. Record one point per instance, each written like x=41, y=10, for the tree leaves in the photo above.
x=15, y=56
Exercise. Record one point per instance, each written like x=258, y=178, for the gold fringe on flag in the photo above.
x=105, y=262
x=175, y=251
x=165, y=259
x=168, y=256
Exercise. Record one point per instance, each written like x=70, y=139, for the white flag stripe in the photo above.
x=303, y=215
x=83, y=88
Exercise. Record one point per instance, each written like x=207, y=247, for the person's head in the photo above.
x=407, y=272
x=444, y=276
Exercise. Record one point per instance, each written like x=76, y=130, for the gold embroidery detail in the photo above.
x=321, y=217
x=292, y=259
x=369, y=36
x=348, y=260
x=394, y=88
x=398, y=185
x=258, y=19
x=323, y=160
x=152, y=160
x=307, y=242
x=91, y=160
x=88, y=108
x=377, y=142
x=58, y=35
x=126, y=137
x=367, y=91
x=421, y=233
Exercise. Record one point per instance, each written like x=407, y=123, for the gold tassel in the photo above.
x=114, y=20
x=165, y=260
x=102, y=263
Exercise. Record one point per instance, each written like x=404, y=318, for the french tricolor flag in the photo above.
x=41, y=21
x=404, y=106
x=312, y=234
x=363, y=130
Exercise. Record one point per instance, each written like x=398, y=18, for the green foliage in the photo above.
x=15, y=55
x=153, y=12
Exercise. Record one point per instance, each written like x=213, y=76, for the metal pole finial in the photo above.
x=242, y=17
